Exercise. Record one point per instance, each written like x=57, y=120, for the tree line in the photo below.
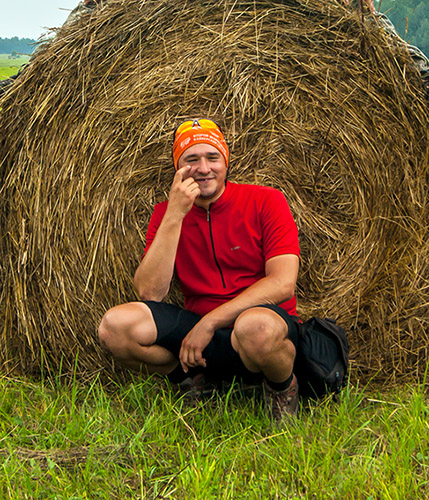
x=411, y=20
x=16, y=45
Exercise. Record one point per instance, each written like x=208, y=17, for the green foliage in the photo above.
x=142, y=441
x=20, y=45
x=411, y=20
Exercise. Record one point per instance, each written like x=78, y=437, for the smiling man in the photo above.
x=235, y=250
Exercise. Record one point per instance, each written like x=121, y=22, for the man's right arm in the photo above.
x=154, y=274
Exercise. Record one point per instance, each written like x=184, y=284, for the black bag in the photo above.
x=322, y=357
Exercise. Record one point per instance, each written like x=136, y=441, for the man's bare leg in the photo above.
x=260, y=338
x=129, y=332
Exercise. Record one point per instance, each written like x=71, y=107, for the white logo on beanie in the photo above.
x=185, y=142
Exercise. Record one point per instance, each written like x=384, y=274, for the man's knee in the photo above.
x=110, y=328
x=260, y=330
x=124, y=324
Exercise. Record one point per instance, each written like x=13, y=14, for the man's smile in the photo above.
x=204, y=179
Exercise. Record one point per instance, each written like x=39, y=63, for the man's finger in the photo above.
x=178, y=177
x=192, y=358
x=183, y=360
x=189, y=181
x=200, y=361
x=198, y=357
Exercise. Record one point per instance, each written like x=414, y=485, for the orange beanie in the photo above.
x=193, y=132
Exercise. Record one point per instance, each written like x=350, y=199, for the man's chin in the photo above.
x=207, y=195
x=210, y=194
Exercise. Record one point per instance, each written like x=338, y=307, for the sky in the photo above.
x=31, y=18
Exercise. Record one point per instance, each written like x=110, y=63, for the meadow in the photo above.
x=9, y=67
x=142, y=440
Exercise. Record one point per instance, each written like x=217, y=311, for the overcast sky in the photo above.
x=30, y=18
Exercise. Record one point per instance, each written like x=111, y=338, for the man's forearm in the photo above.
x=262, y=292
x=154, y=274
x=275, y=288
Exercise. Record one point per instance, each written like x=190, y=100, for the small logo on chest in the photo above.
x=235, y=248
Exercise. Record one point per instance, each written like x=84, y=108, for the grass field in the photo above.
x=10, y=67
x=140, y=440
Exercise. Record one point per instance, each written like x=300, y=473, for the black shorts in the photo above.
x=223, y=362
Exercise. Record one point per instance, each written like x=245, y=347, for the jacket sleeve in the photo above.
x=279, y=230
x=155, y=221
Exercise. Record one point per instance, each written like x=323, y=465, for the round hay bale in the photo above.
x=314, y=102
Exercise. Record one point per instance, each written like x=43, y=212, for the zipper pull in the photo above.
x=208, y=214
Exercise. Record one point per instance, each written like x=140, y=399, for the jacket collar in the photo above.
x=222, y=202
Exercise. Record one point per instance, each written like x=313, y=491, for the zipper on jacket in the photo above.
x=213, y=248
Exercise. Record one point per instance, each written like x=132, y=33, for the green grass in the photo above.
x=140, y=440
x=9, y=67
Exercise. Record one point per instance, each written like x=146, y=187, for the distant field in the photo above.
x=10, y=67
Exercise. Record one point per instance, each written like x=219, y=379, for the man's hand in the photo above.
x=183, y=193
x=193, y=345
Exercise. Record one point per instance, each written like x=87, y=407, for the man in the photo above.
x=236, y=254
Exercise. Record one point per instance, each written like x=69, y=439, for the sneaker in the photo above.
x=282, y=404
x=196, y=387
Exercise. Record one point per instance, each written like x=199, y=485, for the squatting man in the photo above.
x=235, y=250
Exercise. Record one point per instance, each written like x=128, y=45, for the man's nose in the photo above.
x=204, y=166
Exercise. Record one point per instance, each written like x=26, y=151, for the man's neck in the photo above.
x=206, y=202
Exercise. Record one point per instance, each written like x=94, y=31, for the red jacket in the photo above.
x=222, y=251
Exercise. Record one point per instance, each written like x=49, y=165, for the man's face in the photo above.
x=208, y=169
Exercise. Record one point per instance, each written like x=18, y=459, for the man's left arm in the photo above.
x=276, y=287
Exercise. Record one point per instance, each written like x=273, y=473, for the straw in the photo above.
x=313, y=101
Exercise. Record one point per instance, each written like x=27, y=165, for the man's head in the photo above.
x=198, y=131
x=200, y=146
